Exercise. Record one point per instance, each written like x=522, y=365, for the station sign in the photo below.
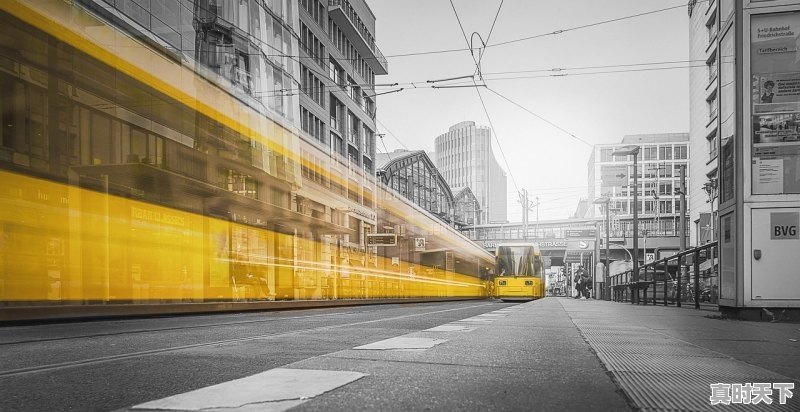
x=574, y=256
x=589, y=233
x=381, y=239
x=419, y=244
x=614, y=175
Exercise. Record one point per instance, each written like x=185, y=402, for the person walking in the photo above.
x=576, y=282
x=586, y=283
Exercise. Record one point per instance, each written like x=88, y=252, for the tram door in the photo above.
x=284, y=264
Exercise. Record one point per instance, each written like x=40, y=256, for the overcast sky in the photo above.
x=598, y=108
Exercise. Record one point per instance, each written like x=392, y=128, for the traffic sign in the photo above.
x=616, y=175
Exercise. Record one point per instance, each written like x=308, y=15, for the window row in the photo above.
x=315, y=9
x=660, y=152
x=312, y=125
x=312, y=46
x=312, y=86
x=350, y=53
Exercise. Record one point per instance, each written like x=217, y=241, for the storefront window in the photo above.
x=727, y=99
x=775, y=99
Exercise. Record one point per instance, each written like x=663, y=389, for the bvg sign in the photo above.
x=784, y=225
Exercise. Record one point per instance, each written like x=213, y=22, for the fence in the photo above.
x=686, y=277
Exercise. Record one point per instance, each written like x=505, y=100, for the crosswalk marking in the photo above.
x=275, y=390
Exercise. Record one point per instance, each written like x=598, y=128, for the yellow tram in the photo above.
x=519, y=272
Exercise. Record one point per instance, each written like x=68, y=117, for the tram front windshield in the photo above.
x=516, y=261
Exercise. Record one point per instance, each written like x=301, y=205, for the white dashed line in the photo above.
x=274, y=390
x=402, y=343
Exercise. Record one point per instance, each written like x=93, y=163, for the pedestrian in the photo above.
x=576, y=282
x=586, y=283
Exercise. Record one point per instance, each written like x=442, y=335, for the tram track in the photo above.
x=165, y=329
x=176, y=328
x=132, y=355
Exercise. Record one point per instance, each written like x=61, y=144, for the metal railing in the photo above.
x=690, y=276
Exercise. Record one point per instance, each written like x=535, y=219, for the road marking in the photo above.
x=274, y=390
x=451, y=328
x=112, y=358
x=401, y=343
x=477, y=320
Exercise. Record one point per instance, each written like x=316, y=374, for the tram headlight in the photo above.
x=528, y=283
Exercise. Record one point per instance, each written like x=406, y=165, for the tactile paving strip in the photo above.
x=683, y=393
x=677, y=365
x=661, y=373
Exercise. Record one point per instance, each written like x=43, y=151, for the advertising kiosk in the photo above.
x=759, y=167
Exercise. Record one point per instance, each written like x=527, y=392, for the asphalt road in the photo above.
x=480, y=355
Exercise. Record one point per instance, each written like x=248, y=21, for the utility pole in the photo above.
x=537, y=216
x=682, y=212
x=682, y=232
x=524, y=201
x=527, y=206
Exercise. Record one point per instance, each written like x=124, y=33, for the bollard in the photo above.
x=678, y=276
x=645, y=279
x=697, y=279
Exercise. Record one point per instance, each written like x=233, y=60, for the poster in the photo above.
x=775, y=95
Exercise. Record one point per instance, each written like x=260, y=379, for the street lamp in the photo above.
x=710, y=188
x=606, y=201
x=633, y=151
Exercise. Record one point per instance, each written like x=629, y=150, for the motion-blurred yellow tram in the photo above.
x=519, y=272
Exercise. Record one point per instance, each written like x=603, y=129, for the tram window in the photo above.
x=516, y=261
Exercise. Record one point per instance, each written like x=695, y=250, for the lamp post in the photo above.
x=710, y=188
x=633, y=151
x=606, y=201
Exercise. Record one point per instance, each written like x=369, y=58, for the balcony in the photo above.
x=358, y=36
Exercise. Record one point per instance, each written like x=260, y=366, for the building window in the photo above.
x=711, y=64
x=665, y=153
x=312, y=125
x=712, y=146
x=312, y=86
x=650, y=153
x=605, y=155
x=681, y=152
x=711, y=26
x=712, y=106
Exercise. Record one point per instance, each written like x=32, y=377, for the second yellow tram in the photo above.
x=519, y=272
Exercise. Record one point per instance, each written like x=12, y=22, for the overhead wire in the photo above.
x=614, y=20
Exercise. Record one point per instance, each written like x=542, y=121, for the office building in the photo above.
x=660, y=158
x=703, y=124
x=465, y=158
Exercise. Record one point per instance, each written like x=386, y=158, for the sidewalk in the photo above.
x=666, y=357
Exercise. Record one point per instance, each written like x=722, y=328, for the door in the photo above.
x=773, y=257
